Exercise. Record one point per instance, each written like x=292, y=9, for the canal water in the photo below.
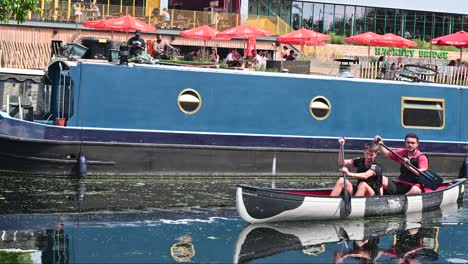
x=177, y=220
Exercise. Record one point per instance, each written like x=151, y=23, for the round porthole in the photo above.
x=320, y=107
x=189, y=101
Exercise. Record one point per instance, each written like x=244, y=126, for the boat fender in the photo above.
x=82, y=166
x=465, y=168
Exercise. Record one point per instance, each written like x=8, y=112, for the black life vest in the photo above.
x=406, y=174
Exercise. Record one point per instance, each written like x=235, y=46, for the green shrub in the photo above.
x=337, y=39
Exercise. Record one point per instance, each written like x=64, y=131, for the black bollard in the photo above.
x=465, y=168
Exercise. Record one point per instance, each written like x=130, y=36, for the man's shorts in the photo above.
x=398, y=188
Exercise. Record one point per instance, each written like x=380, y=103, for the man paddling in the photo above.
x=368, y=172
x=408, y=181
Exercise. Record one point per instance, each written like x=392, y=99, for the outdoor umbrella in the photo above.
x=392, y=40
x=303, y=37
x=125, y=23
x=203, y=32
x=363, y=39
x=244, y=31
x=458, y=39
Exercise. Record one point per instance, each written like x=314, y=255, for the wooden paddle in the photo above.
x=346, y=209
x=427, y=178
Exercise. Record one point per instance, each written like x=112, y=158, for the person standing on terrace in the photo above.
x=166, y=18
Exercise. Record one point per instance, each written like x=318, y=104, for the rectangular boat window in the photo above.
x=22, y=93
x=423, y=113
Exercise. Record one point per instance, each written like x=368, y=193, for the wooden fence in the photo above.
x=24, y=55
x=448, y=75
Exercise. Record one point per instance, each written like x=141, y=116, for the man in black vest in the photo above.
x=136, y=44
x=408, y=181
x=368, y=173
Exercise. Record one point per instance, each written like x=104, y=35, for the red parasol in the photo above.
x=302, y=36
x=392, y=40
x=244, y=31
x=125, y=23
x=458, y=39
x=362, y=39
x=203, y=32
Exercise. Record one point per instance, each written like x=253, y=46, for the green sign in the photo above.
x=411, y=53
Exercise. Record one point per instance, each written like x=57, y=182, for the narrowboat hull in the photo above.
x=38, y=149
x=259, y=205
x=164, y=120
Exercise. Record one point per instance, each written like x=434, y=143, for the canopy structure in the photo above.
x=458, y=39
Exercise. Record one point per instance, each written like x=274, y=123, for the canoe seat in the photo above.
x=441, y=187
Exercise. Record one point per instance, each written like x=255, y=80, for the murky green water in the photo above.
x=157, y=220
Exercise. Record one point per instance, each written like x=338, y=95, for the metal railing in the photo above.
x=65, y=11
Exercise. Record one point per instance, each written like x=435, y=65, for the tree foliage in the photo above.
x=16, y=9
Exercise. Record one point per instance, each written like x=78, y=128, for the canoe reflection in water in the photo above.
x=414, y=237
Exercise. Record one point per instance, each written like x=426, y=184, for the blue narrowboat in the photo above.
x=141, y=119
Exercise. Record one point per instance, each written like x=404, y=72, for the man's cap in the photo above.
x=137, y=32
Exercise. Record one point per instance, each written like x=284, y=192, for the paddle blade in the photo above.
x=430, y=179
x=345, y=205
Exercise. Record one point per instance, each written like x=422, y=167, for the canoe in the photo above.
x=260, y=205
x=258, y=242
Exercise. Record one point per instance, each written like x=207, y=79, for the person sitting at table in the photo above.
x=136, y=44
x=229, y=57
x=189, y=56
x=161, y=48
x=284, y=53
x=214, y=57
x=255, y=58
x=291, y=56
x=263, y=60
x=76, y=11
x=234, y=59
x=94, y=10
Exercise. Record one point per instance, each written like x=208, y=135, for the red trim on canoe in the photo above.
x=327, y=192
x=309, y=193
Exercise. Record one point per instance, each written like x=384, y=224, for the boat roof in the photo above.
x=21, y=75
x=261, y=73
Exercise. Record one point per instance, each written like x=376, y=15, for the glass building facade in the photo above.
x=349, y=20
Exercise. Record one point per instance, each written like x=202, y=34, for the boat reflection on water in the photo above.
x=413, y=236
